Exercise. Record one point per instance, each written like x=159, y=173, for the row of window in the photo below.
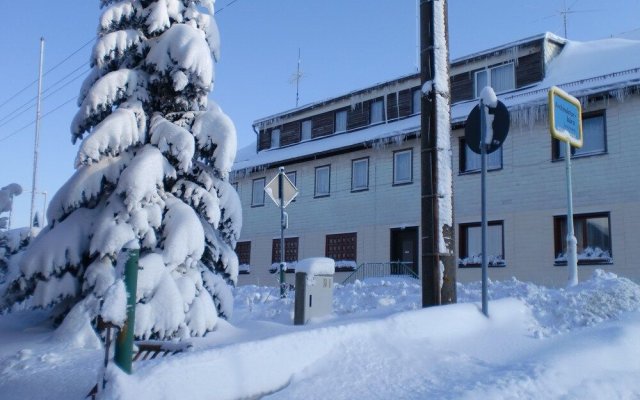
x=594, y=142
x=402, y=174
x=501, y=78
x=340, y=247
x=592, y=232
x=341, y=123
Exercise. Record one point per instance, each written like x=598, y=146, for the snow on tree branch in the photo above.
x=152, y=169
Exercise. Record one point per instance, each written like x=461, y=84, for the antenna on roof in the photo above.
x=569, y=10
x=564, y=12
x=295, y=77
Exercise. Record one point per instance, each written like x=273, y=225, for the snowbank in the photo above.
x=539, y=343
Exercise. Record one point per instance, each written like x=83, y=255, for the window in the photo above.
x=305, y=129
x=235, y=185
x=376, y=113
x=471, y=245
x=360, y=174
x=501, y=78
x=323, y=181
x=243, y=250
x=275, y=138
x=593, y=138
x=402, y=167
x=593, y=233
x=343, y=248
x=257, y=193
x=341, y=120
x=290, y=250
x=416, y=101
x=471, y=162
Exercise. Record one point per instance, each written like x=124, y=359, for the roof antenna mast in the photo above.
x=296, y=78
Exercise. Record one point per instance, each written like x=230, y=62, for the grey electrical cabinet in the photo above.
x=314, y=294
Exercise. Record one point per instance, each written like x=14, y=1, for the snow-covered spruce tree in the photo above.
x=153, y=169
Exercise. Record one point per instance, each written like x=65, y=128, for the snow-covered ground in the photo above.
x=539, y=343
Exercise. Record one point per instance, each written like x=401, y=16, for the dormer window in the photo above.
x=416, y=100
x=377, y=111
x=500, y=78
x=275, y=138
x=305, y=130
x=341, y=121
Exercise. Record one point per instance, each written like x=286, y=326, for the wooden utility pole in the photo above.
x=438, y=241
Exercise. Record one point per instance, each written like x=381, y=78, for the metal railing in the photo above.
x=381, y=270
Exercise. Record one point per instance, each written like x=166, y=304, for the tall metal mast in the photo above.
x=34, y=186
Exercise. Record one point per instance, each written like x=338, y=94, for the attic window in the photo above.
x=376, y=114
x=305, y=129
x=275, y=138
x=500, y=78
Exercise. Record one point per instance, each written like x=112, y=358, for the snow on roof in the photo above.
x=581, y=69
x=546, y=36
x=247, y=158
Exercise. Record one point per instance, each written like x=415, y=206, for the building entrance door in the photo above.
x=404, y=249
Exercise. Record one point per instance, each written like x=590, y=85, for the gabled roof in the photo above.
x=607, y=66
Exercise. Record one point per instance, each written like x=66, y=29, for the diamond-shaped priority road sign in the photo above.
x=289, y=190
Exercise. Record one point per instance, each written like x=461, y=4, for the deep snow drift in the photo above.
x=540, y=343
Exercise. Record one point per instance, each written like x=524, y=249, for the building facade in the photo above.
x=356, y=162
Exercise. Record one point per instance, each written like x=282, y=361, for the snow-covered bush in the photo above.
x=153, y=167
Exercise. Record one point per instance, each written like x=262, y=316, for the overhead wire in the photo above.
x=19, y=92
x=21, y=109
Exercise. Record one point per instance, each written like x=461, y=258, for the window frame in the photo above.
x=242, y=252
x=463, y=244
x=560, y=242
x=254, y=203
x=416, y=92
x=462, y=159
x=336, y=251
x=353, y=164
x=315, y=182
x=556, y=145
x=291, y=252
x=273, y=144
x=488, y=70
x=304, y=122
x=335, y=120
x=379, y=100
x=396, y=154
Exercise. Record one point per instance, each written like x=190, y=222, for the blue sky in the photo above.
x=344, y=45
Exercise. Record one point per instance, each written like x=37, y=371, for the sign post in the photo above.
x=485, y=130
x=282, y=191
x=565, y=124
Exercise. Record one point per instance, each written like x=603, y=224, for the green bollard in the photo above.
x=124, y=343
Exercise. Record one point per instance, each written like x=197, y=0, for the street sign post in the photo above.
x=282, y=191
x=485, y=130
x=565, y=124
x=565, y=117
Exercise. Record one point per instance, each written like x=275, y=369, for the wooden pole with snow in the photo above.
x=437, y=233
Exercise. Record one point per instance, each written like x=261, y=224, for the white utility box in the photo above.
x=314, y=289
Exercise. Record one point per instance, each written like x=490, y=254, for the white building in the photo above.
x=356, y=160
